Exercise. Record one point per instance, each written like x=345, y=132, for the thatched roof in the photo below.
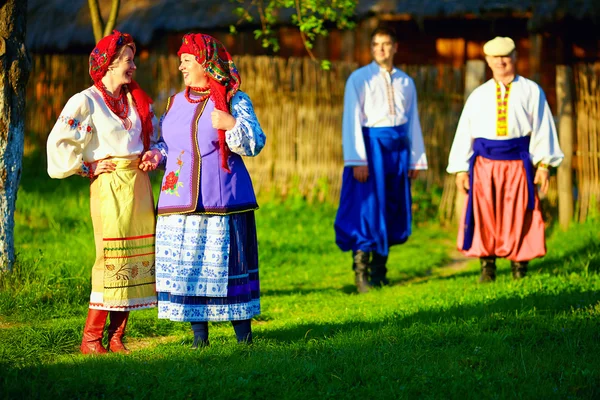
x=62, y=24
x=65, y=24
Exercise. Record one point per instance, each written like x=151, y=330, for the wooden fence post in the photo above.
x=474, y=77
x=535, y=56
x=565, y=114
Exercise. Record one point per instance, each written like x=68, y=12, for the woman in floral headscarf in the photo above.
x=206, y=252
x=106, y=133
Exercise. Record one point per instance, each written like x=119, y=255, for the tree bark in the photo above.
x=101, y=30
x=96, y=17
x=14, y=72
x=112, y=19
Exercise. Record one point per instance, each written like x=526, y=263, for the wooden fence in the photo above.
x=587, y=141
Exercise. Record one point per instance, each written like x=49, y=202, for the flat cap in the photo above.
x=499, y=46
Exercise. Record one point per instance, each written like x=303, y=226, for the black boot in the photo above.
x=519, y=269
x=200, y=330
x=379, y=270
x=361, y=270
x=243, y=331
x=488, y=269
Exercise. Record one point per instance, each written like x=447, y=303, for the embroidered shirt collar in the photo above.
x=378, y=68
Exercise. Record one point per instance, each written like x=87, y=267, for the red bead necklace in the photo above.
x=205, y=90
x=118, y=105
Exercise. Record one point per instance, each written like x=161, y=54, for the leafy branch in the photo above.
x=312, y=18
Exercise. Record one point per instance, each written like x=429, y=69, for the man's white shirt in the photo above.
x=377, y=98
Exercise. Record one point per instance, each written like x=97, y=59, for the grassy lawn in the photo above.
x=434, y=333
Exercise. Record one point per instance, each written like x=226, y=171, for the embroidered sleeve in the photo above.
x=155, y=136
x=161, y=146
x=70, y=135
x=86, y=170
x=246, y=138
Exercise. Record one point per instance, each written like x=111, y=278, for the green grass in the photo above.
x=434, y=333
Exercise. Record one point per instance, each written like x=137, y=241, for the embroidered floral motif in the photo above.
x=128, y=271
x=86, y=170
x=75, y=124
x=171, y=183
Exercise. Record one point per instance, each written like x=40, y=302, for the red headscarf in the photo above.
x=101, y=58
x=224, y=77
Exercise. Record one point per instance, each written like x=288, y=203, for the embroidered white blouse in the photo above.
x=87, y=131
x=528, y=114
x=377, y=98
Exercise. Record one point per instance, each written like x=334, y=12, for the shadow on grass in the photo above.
x=582, y=258
x=347, y=289
x=402, y=356
x=534, y=304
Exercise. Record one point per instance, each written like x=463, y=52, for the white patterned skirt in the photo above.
x=207, y=267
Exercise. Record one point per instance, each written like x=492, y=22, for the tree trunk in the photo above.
x=112, y=18
x=14, y=71
x=101, y=30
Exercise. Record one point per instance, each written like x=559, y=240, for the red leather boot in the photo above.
x=92, y=332
x=116, y=330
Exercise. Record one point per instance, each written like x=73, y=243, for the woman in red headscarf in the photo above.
x=206, y=252
x=106, y=133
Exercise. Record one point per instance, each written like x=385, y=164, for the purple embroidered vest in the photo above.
x=194, y=181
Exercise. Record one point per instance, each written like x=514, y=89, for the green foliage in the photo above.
x=426, y=201
x=313, y=18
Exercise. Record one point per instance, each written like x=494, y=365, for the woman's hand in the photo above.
x=222, y=120
x=150, y=160
x=103, y=167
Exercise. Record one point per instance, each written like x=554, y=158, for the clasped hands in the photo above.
x=152, y=158
x=541, y=178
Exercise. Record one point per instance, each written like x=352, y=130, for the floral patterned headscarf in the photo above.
x=216, y=60
x=105, y=51
x=100, y=59
x=224, y=77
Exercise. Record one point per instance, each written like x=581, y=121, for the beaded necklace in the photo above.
x=204, y=90
x=118, y=105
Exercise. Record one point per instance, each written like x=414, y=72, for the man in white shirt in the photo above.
x=383, y=150
x=504, y=144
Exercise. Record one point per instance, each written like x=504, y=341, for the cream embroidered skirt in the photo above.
x=122, y=208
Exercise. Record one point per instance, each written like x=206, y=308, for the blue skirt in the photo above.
x=377, y=214
x=207, y=267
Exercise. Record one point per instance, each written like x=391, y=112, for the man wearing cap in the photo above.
x=383, y=150
x=504, y=145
